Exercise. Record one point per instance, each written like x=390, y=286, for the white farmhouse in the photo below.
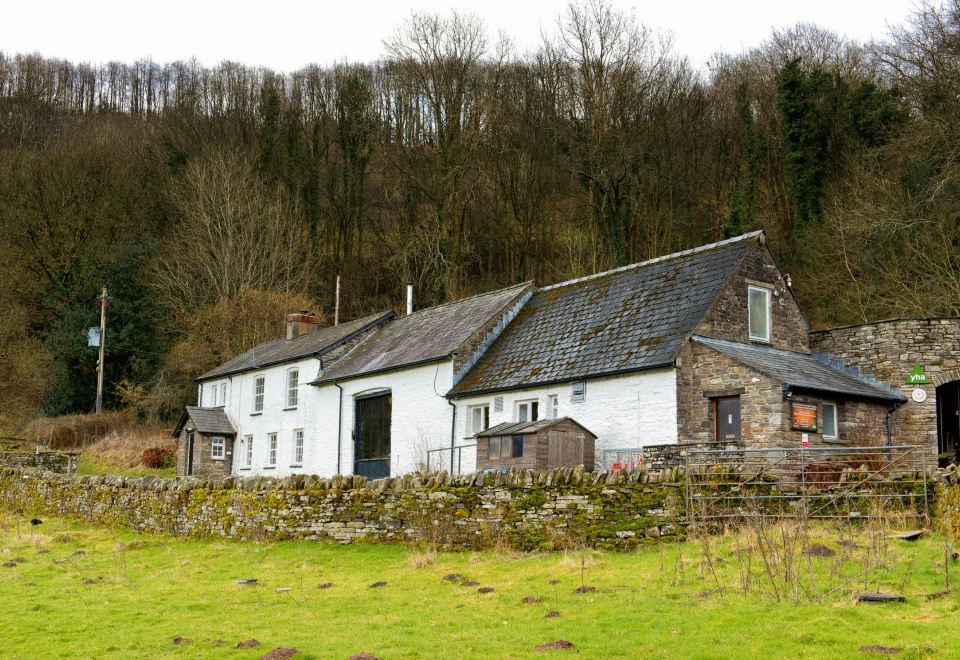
x=703, y=345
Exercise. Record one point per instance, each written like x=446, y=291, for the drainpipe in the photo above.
x=339, y=423
x=453, y=432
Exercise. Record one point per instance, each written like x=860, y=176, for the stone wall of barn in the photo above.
x=522, y=510
x=727, y=318
x=888, y=350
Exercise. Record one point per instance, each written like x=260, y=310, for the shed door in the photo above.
x=371, y=436
x=190, y=444
x=564, y=449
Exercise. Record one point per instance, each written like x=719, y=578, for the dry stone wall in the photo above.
x=524, y=510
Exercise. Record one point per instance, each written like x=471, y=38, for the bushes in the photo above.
x=68, y=432
x=125, y=450
x=158, y=457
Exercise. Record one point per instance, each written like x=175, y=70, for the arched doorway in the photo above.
x=948, y=422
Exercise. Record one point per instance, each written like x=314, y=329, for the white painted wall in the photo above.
x=276, y=417
x=420, y=417
x=632, y=410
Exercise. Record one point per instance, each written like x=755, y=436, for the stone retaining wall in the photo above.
x=54, y=461
x=522, y=510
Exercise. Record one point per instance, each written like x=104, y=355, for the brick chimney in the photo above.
x=302, y=322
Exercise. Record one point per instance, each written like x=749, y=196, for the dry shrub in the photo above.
x=124, y=450
x=423, y=558
x=68, y=432
x=158, y=457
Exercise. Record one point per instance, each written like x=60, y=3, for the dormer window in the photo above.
x=758, y=313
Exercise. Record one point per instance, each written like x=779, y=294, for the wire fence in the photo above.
x=806, y=482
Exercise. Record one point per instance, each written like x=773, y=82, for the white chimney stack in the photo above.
x=409, y=298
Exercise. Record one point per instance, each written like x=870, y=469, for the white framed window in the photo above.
x=272, y=455
x=479, y=419
x=830, y=421
x=258, y=388
x=553, y=406
x=213, y=395
x=528, y=411
x=217, y=448
x=223, y=394
x=298, y=447
x=248, y=455
x=579, y=392
x=293, y=387
x=758, y=313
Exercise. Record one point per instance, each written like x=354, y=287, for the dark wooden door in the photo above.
x=190, y=454
x=371, y=436
x=728, y=418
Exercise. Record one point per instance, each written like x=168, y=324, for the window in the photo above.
x=528, y=411
x=216, y=448
x=579, y=392
x=223, y=394
x=479, y=419
x=553, y=406
x=298, y=446
x=293, y=387
x=258, y=394
x=505, y=447
x=213, y=395
x=272, y=456
x=249, y=455
x=830, y=420
x=758, y=303
x=727, y=418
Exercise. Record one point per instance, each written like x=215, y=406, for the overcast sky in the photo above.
x=285, y=34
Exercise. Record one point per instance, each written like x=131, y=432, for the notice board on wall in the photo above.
x=803, y=416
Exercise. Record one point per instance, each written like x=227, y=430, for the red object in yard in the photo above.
x=616, y=467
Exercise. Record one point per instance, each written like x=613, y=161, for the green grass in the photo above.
x=86, y=465
x=143, y=591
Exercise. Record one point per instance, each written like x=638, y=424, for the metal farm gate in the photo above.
x=848, y=483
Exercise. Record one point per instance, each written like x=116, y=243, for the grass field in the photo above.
x=68, y=590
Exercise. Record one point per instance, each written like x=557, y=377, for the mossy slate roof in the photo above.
x=208, y=421
x=279, y=351
x=799, y=370
x=430, y=334
x=628, y=319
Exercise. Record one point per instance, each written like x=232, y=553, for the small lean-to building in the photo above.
x=205, y=438
x=541, y=445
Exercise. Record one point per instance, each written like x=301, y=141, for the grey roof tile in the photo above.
x=429, y=334
x=208, y=421
x=520, y=428
x=287, y=350
x=627, y=319
x=798, y=370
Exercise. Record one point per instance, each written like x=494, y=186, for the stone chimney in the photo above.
x=302, y=322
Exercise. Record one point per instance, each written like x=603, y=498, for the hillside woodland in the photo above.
x=213, y=200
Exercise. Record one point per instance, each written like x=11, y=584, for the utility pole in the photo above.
x=336, y=303
x=104, y=300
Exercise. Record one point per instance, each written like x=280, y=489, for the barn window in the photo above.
x=830, y=420
x=479, y=419
x=258, y=386
x=579, y=392
x=528, y=411
x=298, y=446
x=216, y=448
x=293, y=387
x=493, y=451
x=272, y=457
x=758, y=302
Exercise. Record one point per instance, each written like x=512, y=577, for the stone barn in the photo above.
x=204, y=442
x=541, y=445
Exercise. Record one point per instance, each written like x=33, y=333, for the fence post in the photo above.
x=686, y=486
x=803, y=482
x=926, y=503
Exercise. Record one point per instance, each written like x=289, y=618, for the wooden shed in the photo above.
x=540, y=445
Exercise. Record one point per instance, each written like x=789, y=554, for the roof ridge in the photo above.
x=665, y=257
x=460, y=300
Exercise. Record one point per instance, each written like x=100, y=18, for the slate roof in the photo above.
x=627, y=319
x=426, y=335
x=287, y=350
x=208, y=421
x=799, y=370
x=523, y=428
